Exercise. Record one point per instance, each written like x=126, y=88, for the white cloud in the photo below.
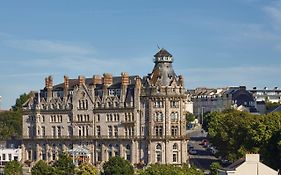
x=274, y=12
x=47, y=46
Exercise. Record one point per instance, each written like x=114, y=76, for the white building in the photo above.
x=266, y=94
x=9, y=154
x=250, y=165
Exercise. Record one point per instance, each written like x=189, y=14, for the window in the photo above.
x=70, y=131
x=110, y=131
x=158, y=151
x=159, y=131
x=115, y=131
x=158, y=104
x=69, y=119
x=54, y=131
x=175, y=153
x=4, y=156
x=174, y=116
x=175, y=147
x=116, y=150
x=111, y=92
x=43, y=118
x=43, y=130
x=59, y=131
x=98, y=131
x=175, y=156
x=159, y=116
x=79, y=131
x=128, y=152
x=174, y=131
x=174, y=104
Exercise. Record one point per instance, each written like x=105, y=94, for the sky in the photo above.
x=215, y=43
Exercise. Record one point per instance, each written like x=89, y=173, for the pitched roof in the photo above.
x=163, y=53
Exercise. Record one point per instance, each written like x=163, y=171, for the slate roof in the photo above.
x=163, y=53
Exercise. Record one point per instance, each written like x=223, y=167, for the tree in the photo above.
x=86, y=169
x=189, y=117
x=41, y=168
x=161, y=169
x=234, y=133
x=214, y=168
x=64, y=165
x=10, y=125
x=13, y=168
x=117, y=165
x=11, y=121
x=20, y=101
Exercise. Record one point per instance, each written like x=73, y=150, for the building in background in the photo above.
x=217, y=99
x=267, y=95
x=140, y=119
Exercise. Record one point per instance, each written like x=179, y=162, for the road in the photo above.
x=203, y=159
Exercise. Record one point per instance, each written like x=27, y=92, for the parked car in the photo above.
x=192, y=151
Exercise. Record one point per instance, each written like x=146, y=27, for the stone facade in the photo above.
x=140, y=119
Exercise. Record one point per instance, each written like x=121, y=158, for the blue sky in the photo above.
x=215, y=43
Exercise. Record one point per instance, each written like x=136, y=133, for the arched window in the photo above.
x=175, y=146
x=158, y=151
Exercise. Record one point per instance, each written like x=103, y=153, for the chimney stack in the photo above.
x=107, y=79
x=81, y=80
x=125, y=81
x=66, y=85
x=49, y=86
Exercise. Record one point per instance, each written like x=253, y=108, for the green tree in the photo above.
x=64, y=165
x=41, y=168
x=86, y=169
x=117, y=165
x=234, y=133
x=189, y=117
x=11, y=121
x=10, y=125
x=214, y=168
x=272, y=151
x=13, y=168
x=160, y=169
x=20, y=101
